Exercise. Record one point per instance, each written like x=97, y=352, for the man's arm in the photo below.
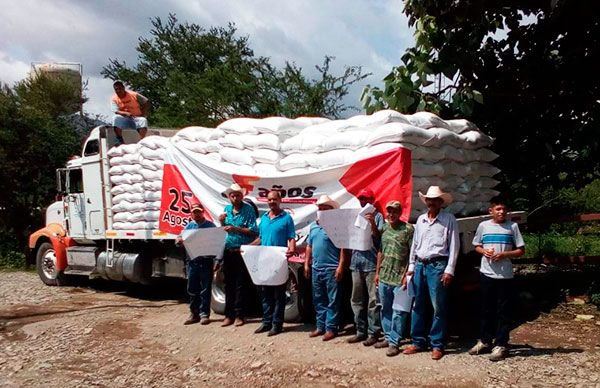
x=379, y=259
x=291, y=243
x=307, y=261
x=412, y=258
x=453, y=245
x=144, y=105
x=339, y=271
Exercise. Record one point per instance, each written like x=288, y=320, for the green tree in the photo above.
x=196, y=76
x=35, y=139
x=522, y=71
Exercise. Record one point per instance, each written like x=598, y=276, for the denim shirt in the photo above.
x=366, y=261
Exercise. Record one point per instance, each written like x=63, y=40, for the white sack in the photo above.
x=158, y=154
x=213, y=146
x=125, y=206
x=401, y=133
x=149, y=164
x=196, y=146
x=308, y=143
x=126, y=179
x=264, y=140
x=295, y=161
x=117, y=160
x=266, y=156
x=278, y=124
x=461, y=125
x=482, y=169
x=327, y=127
x=125, y=169
x=151, y=175
x=133, y=158
x=129, y=197
x=232, y=140
x=237, y=156
x=424, y=169
x=475, y=140
x=240, y=125
x=153, y=185
x=120, y=189
x=151, y=196
x=152, y=205
x=352, y=141
x=485, y=155
x=430, y=154
x=308, y=121
x=378, y=149
x=154, y=142
x=426, y=120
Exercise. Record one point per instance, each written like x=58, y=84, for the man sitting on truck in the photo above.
x=239, y=221
x=130, y=109
x=199, y=272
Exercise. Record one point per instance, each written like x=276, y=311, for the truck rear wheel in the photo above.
x=46, y=266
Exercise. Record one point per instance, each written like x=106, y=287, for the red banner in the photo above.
x=176, y=202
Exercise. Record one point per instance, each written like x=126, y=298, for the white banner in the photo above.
x=190, y=177
x=204, y=242
x=267, y=265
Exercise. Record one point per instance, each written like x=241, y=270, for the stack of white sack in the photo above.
x=136, y=176
x=452, y=154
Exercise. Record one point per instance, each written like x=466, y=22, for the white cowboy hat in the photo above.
x=436, y=192
x=325, y=200
x=233, y=188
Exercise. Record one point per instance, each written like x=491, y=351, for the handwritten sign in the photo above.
x=340, y=227
x=204, y=242
x=267, y=265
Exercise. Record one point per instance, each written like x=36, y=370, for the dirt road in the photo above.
x=80, y=337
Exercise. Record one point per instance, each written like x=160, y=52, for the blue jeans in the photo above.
x=200, y=274
x=393, y=321
x=326, y=299
x=273, y=305
x=428, y=287
x=125, y=122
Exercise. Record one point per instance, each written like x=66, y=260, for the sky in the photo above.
x=369, y=33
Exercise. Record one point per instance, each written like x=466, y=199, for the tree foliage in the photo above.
x=524, y=72
x=35, y=139
x=202, y=76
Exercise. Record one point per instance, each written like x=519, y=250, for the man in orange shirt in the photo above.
x=130, y=109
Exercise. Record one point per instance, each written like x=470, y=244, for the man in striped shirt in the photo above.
x=497, y=240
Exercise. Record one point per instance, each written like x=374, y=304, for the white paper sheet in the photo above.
x=267, y=265
x=361, y=221
x=204, y=242
x=402, y=299
x=339, y=225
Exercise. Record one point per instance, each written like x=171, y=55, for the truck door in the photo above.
x=75, y=203
x=92, y=182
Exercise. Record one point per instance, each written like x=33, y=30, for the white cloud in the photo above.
x=372, y=34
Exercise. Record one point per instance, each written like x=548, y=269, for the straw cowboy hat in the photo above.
x=436, y=192
x=325, y=200
x=234, y=188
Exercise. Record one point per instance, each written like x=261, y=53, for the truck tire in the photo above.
x=217, y=302
x=46, y=266
x=293, y=298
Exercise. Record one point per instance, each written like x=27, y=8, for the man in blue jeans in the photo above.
x=276, y=229
x=328, y=264
x=392, y=261
x=433, y=257
x=199, y=272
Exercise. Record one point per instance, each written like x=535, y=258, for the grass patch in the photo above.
x=11, y=260
x=553, y=244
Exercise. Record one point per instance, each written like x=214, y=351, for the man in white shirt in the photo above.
x=433, y=257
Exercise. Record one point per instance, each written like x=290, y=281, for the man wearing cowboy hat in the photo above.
x=363, y=265
x=433, y=257
x=199, y=272
x=239, y=221
x=328, y=264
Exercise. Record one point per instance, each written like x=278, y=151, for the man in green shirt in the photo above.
x=392, y=262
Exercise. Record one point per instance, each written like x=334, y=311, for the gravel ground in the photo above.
x=76, y=337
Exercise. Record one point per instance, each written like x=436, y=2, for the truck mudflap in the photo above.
x=57, y=236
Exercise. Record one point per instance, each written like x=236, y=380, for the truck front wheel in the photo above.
x=46, y=266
